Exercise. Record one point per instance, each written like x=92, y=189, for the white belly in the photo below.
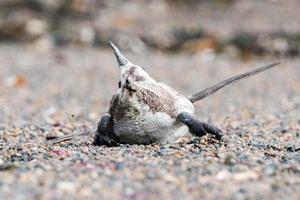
x=138, y=123
x=149, y=128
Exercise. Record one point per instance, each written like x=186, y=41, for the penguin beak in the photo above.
x=122, y=60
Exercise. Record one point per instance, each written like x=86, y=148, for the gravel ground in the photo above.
x=62, y=92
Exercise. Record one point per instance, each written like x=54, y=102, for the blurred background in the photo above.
x=54, y=54
x=230, y=26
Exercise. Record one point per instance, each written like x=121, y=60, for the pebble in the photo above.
x=64, y=186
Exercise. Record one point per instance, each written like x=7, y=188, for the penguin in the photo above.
x=145, y=111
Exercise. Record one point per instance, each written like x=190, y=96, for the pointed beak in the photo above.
x=122, y=60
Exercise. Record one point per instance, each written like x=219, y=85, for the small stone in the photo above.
x=7, y=166
x=243, y=176
x=229, y=160
x=65, y=186
x=119, y=166
x=270, y=170
x=259, y=145
x=223, y=175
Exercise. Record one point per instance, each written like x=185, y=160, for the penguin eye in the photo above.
x=119, y=84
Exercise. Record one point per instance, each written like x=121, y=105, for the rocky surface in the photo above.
x=46, y=93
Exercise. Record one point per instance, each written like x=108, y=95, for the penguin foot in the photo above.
x=197, y=127
x=104, y=132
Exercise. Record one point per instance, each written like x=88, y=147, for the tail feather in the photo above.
x=211, y=90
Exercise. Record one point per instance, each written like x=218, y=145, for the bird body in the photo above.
x=145, y=111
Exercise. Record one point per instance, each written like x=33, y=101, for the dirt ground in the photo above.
x=46, y=90
x=65, y=91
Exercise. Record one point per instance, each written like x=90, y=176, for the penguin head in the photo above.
x=128, y=70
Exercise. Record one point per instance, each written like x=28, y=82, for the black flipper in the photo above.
x=104, y=133
x=211, y=90
x=197, y=127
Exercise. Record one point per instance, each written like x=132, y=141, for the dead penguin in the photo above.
x=145, y=111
